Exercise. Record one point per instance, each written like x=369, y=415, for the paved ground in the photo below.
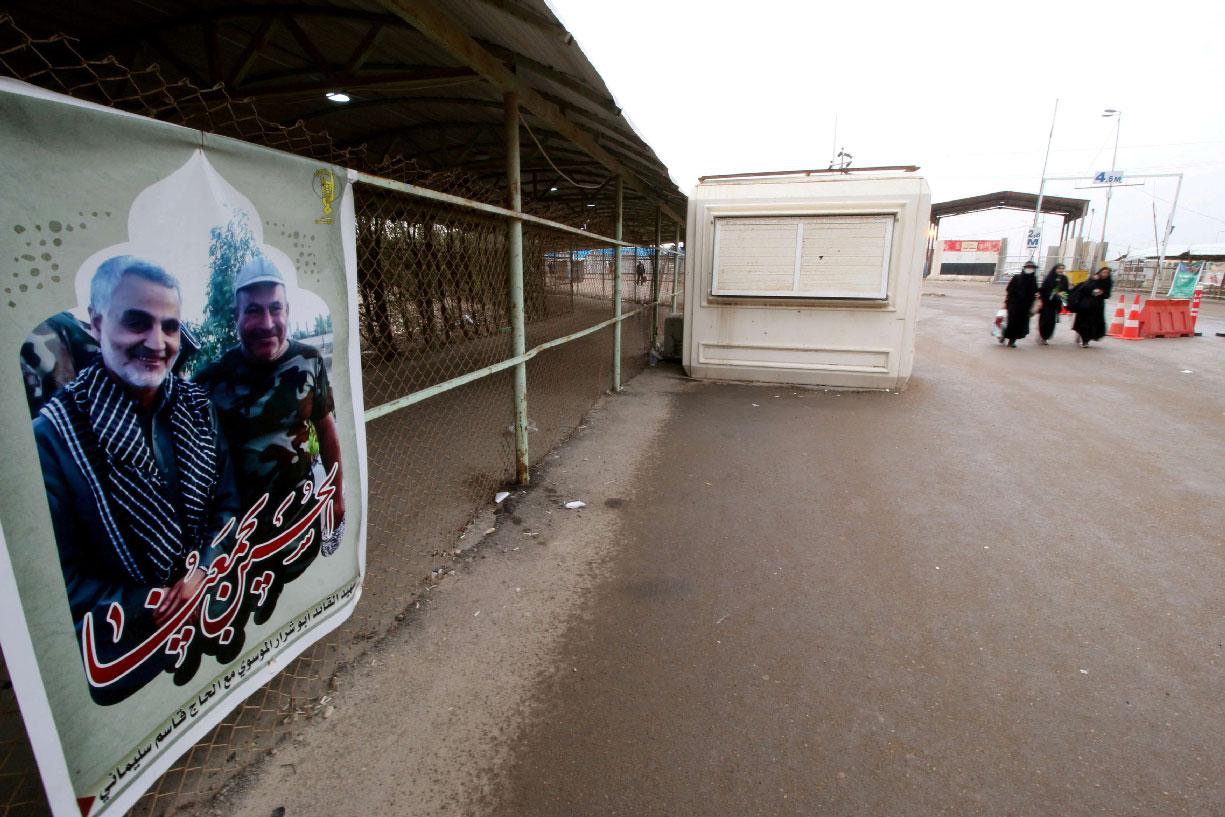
x=998, y=593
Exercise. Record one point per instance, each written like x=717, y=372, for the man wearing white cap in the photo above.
x=269, y=392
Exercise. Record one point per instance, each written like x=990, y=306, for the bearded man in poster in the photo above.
x=270, y=393
x=137, y=475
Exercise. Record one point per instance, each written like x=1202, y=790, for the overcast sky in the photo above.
x=959, y=88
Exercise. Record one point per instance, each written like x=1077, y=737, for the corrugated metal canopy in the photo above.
x=1069, y=208
x=422, y=77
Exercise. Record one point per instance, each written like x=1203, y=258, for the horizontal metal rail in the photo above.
x=479, y=206
x=464, y=379
x=816, y=171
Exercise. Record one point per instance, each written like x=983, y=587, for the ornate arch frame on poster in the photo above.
x=117, y=677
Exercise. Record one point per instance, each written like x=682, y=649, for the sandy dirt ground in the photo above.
x=997, y=593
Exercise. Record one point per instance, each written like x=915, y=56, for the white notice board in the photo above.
x=803, y=256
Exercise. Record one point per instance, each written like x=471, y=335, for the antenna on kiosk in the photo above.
x=838, y=159
x=833, y=150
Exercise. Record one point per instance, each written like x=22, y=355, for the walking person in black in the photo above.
x=1019, y=301
x=1053, y=290
x=1089, y=299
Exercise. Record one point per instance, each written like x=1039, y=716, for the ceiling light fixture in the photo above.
x=337, y=96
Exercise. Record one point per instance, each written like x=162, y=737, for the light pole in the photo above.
x=1042, y=185
x=1101, y=244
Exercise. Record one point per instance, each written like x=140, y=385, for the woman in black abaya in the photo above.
x=1090, y=298
x=1019, y=301
x=1052, y=292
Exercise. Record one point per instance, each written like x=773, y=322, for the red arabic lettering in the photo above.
x=103, y=673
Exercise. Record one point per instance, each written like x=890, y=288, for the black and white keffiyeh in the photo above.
x=99, y=424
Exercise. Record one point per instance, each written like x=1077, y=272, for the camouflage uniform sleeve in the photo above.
x=54, y=352
x=323, y=404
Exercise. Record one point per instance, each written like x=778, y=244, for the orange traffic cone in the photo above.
x=1116, y=325
x=1131, y=329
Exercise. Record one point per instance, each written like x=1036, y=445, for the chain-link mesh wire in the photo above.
x=433, y=304
x=433, y=292
x=21, y=792
x=1137, y=276
x=55, y=63
x=671, y=298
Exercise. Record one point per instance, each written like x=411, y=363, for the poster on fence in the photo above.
x=182, y=510
x=1185, y=278
x=1213, y=274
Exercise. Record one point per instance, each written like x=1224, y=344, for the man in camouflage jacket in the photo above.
x=269, y=392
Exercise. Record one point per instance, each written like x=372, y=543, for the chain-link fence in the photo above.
x=433, y=306
x=1137, y=275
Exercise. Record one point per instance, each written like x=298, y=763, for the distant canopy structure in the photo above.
x=1071, y=209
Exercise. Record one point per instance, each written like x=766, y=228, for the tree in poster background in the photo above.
x=229, y=248
x=320, y=326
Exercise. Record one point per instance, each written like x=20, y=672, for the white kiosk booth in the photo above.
x=807, y=278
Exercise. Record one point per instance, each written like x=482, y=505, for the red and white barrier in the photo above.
x=1195, y=299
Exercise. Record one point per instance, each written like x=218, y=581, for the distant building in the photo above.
x=969, y=258
x=1135, y=270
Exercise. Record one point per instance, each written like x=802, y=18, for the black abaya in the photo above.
x=1090, y=321
x=1054, y=287
x=1019, y=300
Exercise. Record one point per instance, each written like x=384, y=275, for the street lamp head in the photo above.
x=1111, y=112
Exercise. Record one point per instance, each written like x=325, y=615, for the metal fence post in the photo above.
x=616, y=384
x=515, y=251
x=656, y=267
x=676, y=265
